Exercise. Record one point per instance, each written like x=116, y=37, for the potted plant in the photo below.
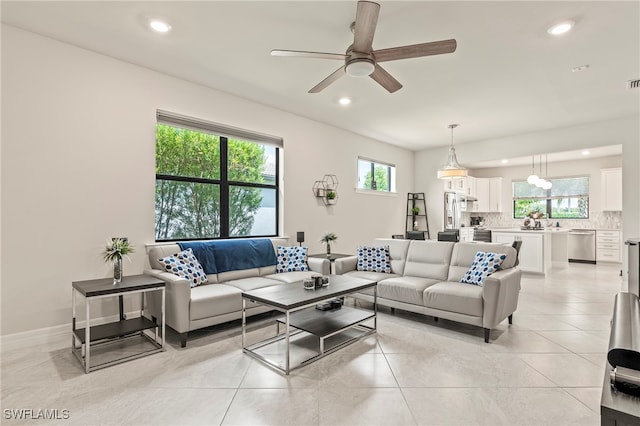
x=114, y=252
x=415, y=210
x=331, y=197
x=327, y=238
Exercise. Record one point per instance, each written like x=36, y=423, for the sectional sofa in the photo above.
x=219, y=299
x=425, y=276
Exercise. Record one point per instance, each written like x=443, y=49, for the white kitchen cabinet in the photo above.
x=489, y=194
x=611, y=184
x=533, y=253
x=608, y=246
x=466, y=185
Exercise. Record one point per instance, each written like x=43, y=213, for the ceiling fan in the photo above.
x=361, y=60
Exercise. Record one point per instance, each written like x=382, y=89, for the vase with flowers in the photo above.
x=327, y=239
x=114, y=252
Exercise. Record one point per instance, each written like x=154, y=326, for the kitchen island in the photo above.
x=541, y=249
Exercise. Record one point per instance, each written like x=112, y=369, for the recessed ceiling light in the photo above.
x=159, y=26
x=585, y=152
x=505, y=161
x=580, y=68
x=561, y=28
x=344, y=101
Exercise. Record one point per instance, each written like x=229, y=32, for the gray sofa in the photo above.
x=425, y=278
x=220, y=299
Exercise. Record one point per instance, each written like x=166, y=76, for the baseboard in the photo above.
x=55, y=334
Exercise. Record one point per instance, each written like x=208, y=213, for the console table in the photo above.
x=84, y=339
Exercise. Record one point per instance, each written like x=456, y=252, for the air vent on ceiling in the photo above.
x=633, y=84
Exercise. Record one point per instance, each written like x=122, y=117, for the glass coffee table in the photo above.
x=309, y=333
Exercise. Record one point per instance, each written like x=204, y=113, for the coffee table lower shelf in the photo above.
x=317, y=334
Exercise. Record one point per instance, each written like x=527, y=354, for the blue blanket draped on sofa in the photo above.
x=231, y=255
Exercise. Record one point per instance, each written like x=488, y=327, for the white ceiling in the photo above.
x=507, y=77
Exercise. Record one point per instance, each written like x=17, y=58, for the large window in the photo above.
x=214, y=181
x=568, y=198
x=376, y=176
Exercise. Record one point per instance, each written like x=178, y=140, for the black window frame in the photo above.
x=548, y=198
x=372, y=166
x=223, y=182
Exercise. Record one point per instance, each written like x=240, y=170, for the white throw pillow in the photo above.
x=484, y=264
x=185, y=265
x=374, y=259
x=292, y=259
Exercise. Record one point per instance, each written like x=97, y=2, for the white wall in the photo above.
x=78, y=168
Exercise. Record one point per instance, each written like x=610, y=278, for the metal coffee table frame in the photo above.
x=300, y=314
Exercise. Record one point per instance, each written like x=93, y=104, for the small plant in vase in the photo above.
x=113, y=253
x=327, y=238
x=331, y=197
x=415, y=210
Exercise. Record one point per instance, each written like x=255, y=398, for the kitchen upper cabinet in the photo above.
x=465, y=185
x=611, y=184
x=489, y=194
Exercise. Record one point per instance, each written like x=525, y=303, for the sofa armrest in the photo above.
x=500, y=295
x=346, y=264
x=177, y=301
x=321, y=266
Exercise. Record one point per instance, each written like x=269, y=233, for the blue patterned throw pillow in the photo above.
x=292, y=259
x=484, y=264
x=185, y=265
x=374, y=259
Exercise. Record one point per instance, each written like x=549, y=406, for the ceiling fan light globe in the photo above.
x=360, y=67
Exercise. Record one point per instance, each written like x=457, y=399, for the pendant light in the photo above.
x=533, y=177
x=541, y=181
x=452, y=170
x=547, y=184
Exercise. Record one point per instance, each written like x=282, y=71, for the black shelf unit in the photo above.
x=417, y=199
x=115, y=329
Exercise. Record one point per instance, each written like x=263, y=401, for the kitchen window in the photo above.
x=568, y=198
x=376, y=176
x=214, y=181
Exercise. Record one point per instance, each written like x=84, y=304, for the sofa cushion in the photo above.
x=483, y=265
x=246, y=284
x=374, y=259
x=464, y=253
x=185, y=265
x=214, y=299
x=292, y=259
x=397, y=252
x=455, y=297
x=405, y=289
x=372, y=276
x=291, y=277
x=429, y=259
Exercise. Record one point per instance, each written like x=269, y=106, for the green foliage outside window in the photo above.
x=380, y=173
x=568, y=198
x=189, y=207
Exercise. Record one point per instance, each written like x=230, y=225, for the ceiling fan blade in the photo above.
x=385, y=79
x=365, y=28
x=303, y=54
x=327, y=81
x=416, y=50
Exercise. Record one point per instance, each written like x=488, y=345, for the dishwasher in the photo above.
x=582, y=245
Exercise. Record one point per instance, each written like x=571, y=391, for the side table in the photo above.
x=332, y=257
x=84, y=339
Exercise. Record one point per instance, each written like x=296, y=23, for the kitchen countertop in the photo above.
x=532, y=231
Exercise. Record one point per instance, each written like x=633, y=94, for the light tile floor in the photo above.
x=545, y=369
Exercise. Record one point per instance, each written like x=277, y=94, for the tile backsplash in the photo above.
x=597, y=220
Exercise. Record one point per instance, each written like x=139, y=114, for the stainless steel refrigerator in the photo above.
x=454, y=204
x=634, y=265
